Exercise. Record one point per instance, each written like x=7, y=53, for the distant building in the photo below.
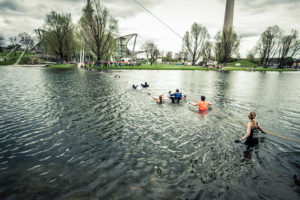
x=122, y=49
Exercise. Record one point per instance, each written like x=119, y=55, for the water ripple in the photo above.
x=87, y=135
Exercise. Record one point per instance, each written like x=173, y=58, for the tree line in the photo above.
x=275, y=46
x=97, y=30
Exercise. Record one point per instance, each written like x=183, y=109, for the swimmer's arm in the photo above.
x=261, y=130
x=155, y=98
x=248, y=132
x=193, y=103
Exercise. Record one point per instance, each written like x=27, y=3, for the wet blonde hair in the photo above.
x=252, y=116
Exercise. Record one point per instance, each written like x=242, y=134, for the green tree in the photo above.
x=97, y=28
x=194, y=42
x=59, y=34
x=227, y=44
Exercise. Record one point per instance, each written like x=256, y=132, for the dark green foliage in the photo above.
x=97, y=28
x=226, y=46
x=58, y=37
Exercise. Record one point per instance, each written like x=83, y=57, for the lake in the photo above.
x=76, y=134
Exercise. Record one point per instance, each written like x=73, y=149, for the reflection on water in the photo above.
x=75, y=134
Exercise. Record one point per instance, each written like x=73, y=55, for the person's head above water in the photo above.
x=161, y=98
x=252, y=115
x=203, y=98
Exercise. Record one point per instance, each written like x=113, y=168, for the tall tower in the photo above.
x=228, y=21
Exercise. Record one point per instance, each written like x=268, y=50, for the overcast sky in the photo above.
x=251, y=17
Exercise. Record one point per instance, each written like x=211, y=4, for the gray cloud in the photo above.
x=263, y=5
x=248, y=34
x=9, y=5
x=19, y=16
x=252, y=17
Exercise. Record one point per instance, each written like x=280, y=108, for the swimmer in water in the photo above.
x=203, y=105
x=134, y=86
x=160, y=99
x=252, y=130
x=176, y=96
x=145, y=85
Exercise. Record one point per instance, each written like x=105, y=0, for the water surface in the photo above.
x=76, y=134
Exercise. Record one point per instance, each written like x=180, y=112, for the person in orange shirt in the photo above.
x=203, y=105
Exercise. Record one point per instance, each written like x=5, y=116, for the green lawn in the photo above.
x=6, y=63
x=65, y=66
x=245, y=66
x=243, y=63
x=155, y=67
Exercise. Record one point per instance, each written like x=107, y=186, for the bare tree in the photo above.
x=151, y=50
x=194, y=42
x=295, y=48
x=268, y=44
x=251, y=55
x=169, y=56
x=97, y=29
x=13, y=40
x=1, y=40
x=1, y=43
x=226, y=45
x=207, y=51
x=285, y=50
x=25, y=40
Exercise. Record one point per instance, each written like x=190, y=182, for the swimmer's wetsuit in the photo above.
x=252, y=139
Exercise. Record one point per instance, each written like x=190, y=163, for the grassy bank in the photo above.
x=64, y=66
x=28, y=58
x=246, y=66
x=6, y=63
x=154, y=67
x=255, y=69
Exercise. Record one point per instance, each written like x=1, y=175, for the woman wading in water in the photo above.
x=252, y=130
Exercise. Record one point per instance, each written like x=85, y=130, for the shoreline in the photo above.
x=164, y=67
x=196, y=68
